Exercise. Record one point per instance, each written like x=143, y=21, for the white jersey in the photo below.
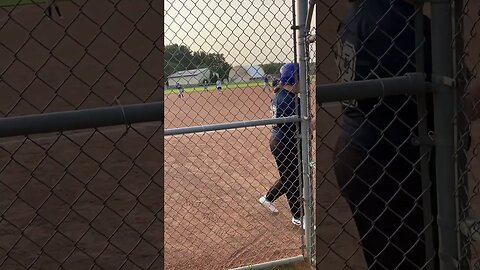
x=219, y=83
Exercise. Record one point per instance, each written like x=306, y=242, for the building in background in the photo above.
x=190, y=77
x=245, y=73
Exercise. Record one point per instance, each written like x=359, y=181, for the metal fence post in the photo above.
x=444, y=112
x=425, y=149
x=302, y=10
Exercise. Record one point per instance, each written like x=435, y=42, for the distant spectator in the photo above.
x=219, y=85
x=180, y=90
x=265, y=83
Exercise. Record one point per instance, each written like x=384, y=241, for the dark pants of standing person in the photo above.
x=383, y=189
x=285, y=152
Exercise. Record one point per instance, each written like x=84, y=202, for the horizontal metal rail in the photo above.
x=231, y=125
x=81, y=119
x=410, y=84
x=272, y=263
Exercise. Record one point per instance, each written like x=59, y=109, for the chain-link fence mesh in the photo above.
x=214, y=180
x=467, y=62
x=90, y=198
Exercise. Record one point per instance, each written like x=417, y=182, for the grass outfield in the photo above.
x=213, y=88
x=200, y=88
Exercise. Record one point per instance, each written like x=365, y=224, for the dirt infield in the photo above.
x=212, y=107
x=213, y=182
x=216, y=175
x=81, y=200
x=69, y=63
x=336, y=236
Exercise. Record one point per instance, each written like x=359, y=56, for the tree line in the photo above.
x=181, y=57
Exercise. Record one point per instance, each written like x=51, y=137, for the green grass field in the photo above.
x=213, y=88
x=224, y=86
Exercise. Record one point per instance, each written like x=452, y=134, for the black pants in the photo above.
x=286, y=157
x=383, y=189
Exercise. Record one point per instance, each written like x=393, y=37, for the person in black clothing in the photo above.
x=376, y=163
x=265, y=83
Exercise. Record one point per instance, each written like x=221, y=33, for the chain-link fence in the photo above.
x=466, y=75
x=89, y=198
x=222, y=59
x=396, y=185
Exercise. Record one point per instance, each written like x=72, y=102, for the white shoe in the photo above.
x=270, y=206
x=296, y=222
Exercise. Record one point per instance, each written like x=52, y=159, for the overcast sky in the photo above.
x=246, y=32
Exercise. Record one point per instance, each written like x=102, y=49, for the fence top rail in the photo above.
x=231, y=125
x=81, y=119
x=411, y=83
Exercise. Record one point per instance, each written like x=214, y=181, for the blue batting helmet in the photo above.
x=289, y=73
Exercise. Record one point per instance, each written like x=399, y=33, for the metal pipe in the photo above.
x=80, y=119
x=425, y=148
x=311, y=7
x=272, y=264
x=294, y=28
x=302, y=10
x=442, y=62
x=410, y=84
x=231, y=125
